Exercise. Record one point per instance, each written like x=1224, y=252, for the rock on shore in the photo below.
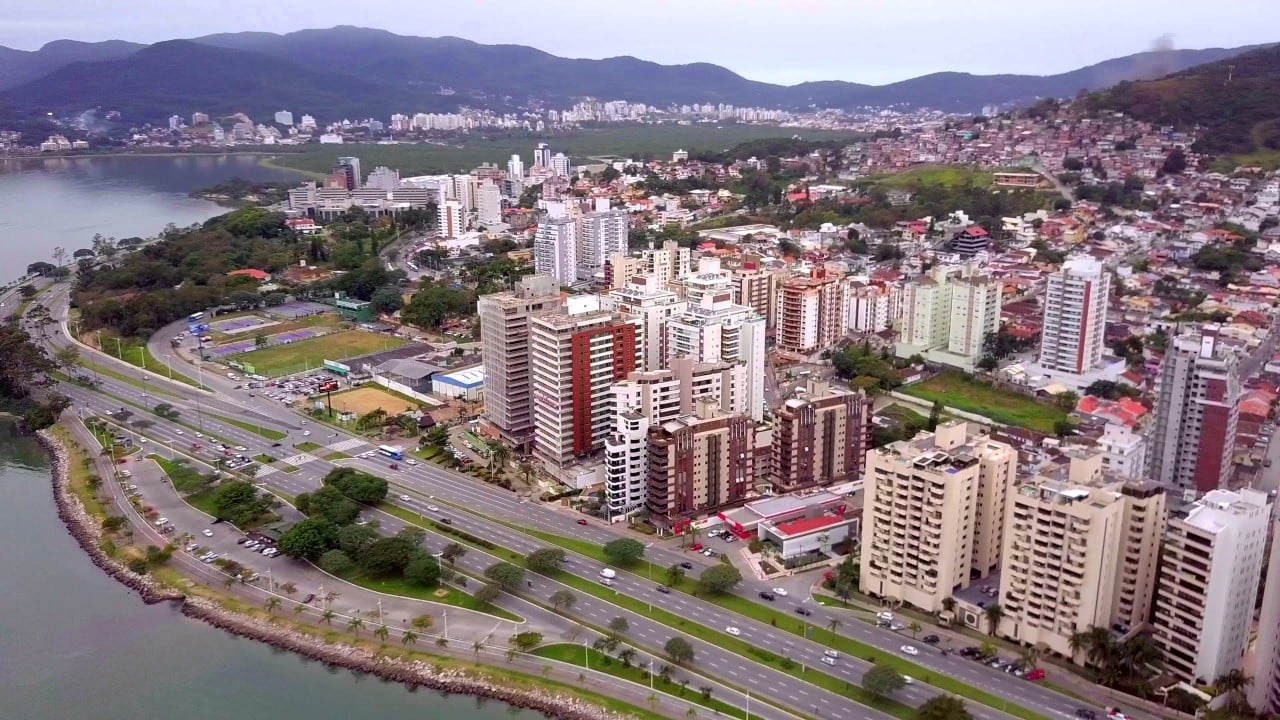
x=87, y=532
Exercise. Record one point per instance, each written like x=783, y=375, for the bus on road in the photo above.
x=195, y=317
x=394, y=453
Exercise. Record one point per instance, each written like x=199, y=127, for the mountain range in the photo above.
x=359, y=72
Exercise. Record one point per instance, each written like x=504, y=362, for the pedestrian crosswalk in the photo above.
x=300, y=459
x=346, y=445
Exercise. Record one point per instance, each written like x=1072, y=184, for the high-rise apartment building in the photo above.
x=946, y=315
x=810, y=312
x=488, y=204
x=1264, y=692
x=560, y=165
x=933, y=516
x=284, y=117
x=1124, y=452
x=542, y=156
x=463, y=189
x=601, y=235
x=821, y=437
x=351, y=166
x=642, y=300
x=651, y=398
x=1080, y=551
x=698, y=463
x=515, y=168
x=755, y=286
x=870, y=308
x=384, y=179
x=1196, y=413
x=573, y=362
x=452, y=219
x=555, y=249
x=1208, y=583
x=504, y=331
x=1075, y=316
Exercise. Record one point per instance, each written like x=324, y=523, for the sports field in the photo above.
x=305, y=355
x=366, y=399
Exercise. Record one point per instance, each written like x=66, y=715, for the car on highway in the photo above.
x=178, y=431
x=828, y=660
x=394, y=466
x=780, y=592
x=242, y=541
x=405, y=498
x=142, y=439
x=733, y=631
x=200, y=435
x=196, y=446
x=765, y=594
x=804, y=611
x=1086, y=714
x=308, y=598
x=411, y=461
x=931, y=639
x=1034, y=674
x=306, y=433
x=241, y=448
x=909, y=650
x=696, y=547
x=207, y=532
x=582, y=521
x=433, y=508
x=664, y=589
x=446, y=521
x=162, y=521
x=686, y=565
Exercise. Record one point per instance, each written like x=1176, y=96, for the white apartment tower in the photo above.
x=384, y=178
x=975, y=312
x=555, y=247
x=946, y=315
x=933, y=515
x=488, y=204
x=542, y=156
x=1264, y=693
x=642, y=300
x=560, y=165
x=1075, y=316
x=1124, y=452
x=284, y=117
x=601, y=235
x=504, y=330
x=452, y=218
x=464, y=191
x=1208, y=583
x=515, y=168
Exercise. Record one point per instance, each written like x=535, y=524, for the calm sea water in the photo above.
x=62, y=202
x=75, y=644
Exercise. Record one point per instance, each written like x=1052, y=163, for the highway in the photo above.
x=426, y=484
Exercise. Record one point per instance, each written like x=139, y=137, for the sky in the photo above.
x=781, y=41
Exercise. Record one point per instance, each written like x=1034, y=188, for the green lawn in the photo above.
x=948, y=175
x=202, y=501
x=306, y=446
x=264, y=458
x=299, y=356
x=453, y=596
x=578, y=655
x=581, y=145
x=135, y=353
x=955, y=391
x=154, y=388
x=184, y=477
x=259, y=430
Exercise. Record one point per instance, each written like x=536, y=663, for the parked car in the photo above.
x=1034, y=674
x=1086, y=714
x=768, y=595
x=932, y=639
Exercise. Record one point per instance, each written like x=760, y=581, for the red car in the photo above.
x=123, y=460
x=394, y=466
x=582, y=521
x=1034, y=674
x=195, y=446
x=695, y=547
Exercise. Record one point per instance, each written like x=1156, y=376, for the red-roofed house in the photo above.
x=1125, y=411
x=259, y=275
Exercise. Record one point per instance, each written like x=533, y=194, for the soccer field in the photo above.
x=364, y=400
x=305, y=355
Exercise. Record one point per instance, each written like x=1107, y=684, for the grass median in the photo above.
x=595, y=660
x=254, y=428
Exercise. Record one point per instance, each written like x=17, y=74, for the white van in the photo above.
x=608, y=573
x=828, y=660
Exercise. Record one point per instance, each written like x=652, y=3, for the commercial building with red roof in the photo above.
x=251, y=272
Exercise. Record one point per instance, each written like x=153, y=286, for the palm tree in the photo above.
x=499, y=454
x=409, y=638
x=664, y=672
x=1233, y=681
x=327, y=616
x=329, y=597
x=382, y=632
x=477, y=647
x=619, y=626
x=626, y=656
x=289, y=589
x=442, y=642
x=527, y=470
x=833, y=624
x=675, y=574
x=354, y=624
x=914, y=627
x=994, y=614
x=297, y=609
x=228, y=581
x=424, y=622
x=1030, y=657
x=272, y=604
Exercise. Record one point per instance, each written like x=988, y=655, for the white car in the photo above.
x=411, y=461
x=306, y=433
x=404, y=498
x=433, y=508
x=200, y=435
x=908, y=680
x=241, y=448
x=142, y=439
x=179, y=432
x=207, y=532
x=162, y=521
x=780, y=592
x=733, y=631
x=910, y=650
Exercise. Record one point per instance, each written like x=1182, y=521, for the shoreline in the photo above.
x=413, y=674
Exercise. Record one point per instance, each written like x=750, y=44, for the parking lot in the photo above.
x=289, y=390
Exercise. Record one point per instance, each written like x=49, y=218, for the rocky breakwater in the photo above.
x=88, y=534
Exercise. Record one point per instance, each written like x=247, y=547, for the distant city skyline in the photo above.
x=778, y=41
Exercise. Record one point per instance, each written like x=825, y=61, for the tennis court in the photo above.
x=236, y=325
x=297, y=309
x=244, y=346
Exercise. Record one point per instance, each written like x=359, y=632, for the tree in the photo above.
x=28, y=291
x=507, y=576
x=488, y=593
x=720, y=578
x=382, y=632
x=619, y=626
x=499, y=454
x=994, y=614
x=359, y=486
x=309, y=539
x=563, y=599
x=526, y=641
x=915, y=628
x=423, y=569
x=452, y=553
x=935, y=415
x=1175, y=162
x=289, y=589
x=386, y=300
x=624, y=551
x=336, y=562
x=1233, y=681
x=679, y=650
x=423, y=622
x=327, y=616
x=1063, y=428
x=330, y=504
x=1066, y=400
x=354, y=625
x=943, y=707
x=545, y=560
x=882, y=681
x=355, y=539
x=387, y=556
x=259, y=341
x=675, y=574
x=409, y=637
x=832, y=625
x=437, y=436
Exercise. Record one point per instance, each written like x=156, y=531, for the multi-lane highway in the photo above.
x=473, y=506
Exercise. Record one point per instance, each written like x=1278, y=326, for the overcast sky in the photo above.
x=783, y=41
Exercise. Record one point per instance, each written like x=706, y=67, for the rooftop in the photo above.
x=804, y=526
x=784, y=504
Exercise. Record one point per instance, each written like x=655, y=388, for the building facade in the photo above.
x=1075, y=316
x=820, y=438
x=601, y=235
x=488, y=204
x=555, y=249
x=933, y=518
x=698, y=463
x=810, y=312
x=1208, y=583
x=504, y=329
x=1196, y=413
